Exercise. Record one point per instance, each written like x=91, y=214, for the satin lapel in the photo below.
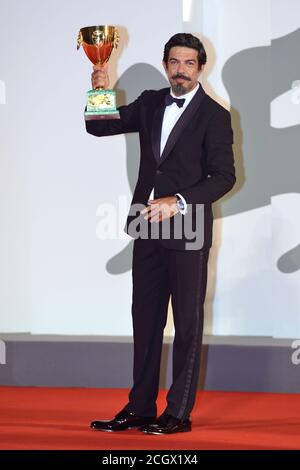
x=156, y=127
x=181, y=124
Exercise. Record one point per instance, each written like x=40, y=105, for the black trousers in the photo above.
x=159, y=273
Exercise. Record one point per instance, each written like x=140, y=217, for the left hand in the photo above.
x=161, y=209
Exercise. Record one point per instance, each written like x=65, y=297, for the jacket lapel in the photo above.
x=177, y=129
x=157, y=126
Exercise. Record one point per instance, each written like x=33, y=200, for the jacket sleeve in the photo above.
x=129, y=121
x=219, y=162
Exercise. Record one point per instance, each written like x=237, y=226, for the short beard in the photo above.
x=179, y=89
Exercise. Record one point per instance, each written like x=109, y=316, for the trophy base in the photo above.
x=97, y=116
x=101, y=104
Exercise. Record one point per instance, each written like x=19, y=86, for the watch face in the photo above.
x=180, y=204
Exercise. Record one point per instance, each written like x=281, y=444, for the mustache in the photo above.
x=179, y=75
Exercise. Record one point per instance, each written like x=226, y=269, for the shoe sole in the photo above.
x=116, y=430
x=166, y=433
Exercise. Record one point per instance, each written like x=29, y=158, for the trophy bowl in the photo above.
x=98, y=43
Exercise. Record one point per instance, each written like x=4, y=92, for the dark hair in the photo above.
x=186, y=40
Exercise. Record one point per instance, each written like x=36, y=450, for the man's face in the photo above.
x=182, y=69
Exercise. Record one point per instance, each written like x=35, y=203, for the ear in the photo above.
x=165, y=65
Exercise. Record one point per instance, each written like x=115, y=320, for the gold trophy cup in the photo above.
x=98, y=43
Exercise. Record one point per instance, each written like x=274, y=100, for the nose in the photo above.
x=180, y=68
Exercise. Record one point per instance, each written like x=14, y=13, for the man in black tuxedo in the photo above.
x=187, y=160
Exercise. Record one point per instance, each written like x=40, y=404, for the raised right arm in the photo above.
x=129, y=115
x=128, y=122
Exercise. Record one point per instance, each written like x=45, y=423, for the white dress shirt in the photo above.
x=171, y=115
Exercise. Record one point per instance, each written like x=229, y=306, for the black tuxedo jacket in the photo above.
x=197, y=162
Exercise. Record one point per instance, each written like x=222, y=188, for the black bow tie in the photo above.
x=169, y=99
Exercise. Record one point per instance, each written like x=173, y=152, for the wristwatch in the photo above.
x=179, y=203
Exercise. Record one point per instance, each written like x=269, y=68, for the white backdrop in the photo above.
x=53, y=274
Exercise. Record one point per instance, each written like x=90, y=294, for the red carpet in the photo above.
x=55, y=418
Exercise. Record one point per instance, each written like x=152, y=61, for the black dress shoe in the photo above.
x=167, y=424
x=122, y=421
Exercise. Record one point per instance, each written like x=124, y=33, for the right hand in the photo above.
x=100, y=78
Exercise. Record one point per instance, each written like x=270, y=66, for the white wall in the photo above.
x=54, y=175
x=53, y=273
